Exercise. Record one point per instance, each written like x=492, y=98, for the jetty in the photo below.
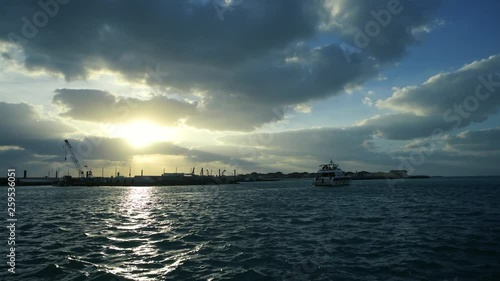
x=124, y=181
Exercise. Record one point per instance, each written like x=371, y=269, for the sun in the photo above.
x=143, y=133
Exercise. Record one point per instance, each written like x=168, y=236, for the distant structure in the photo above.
x=68, y=149
x=399, y=173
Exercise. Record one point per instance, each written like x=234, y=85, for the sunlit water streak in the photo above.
x=429, y=229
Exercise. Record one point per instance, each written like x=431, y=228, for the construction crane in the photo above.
x=68, y=149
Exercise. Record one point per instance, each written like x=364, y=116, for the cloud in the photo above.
x=478, y=142
x=444, y=102
x=29, y=139
x=116, y=149
x=351, y=146
x=107, y=152
x=100, y=106
x=128, y=35
x=33, y=142
x=475, y=82
x=392, y=38
x=428, y=28
x=405, y=126
x=22, y=122
x=355, y=148
x=367, y=101
x=265, y=55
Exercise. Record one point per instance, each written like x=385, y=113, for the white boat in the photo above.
x=331, y=175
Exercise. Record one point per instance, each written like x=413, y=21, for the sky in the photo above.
x=251, y=85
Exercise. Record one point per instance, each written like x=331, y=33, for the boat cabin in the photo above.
x=330, y=170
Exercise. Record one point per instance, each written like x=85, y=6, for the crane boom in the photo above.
x=69, y=149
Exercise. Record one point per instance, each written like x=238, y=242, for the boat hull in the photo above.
x=332, y=182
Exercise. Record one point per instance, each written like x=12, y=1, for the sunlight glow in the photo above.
x=143, y=133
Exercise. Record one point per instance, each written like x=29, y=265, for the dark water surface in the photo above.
x=426, y=229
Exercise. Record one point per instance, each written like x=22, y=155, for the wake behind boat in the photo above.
x=331, y=175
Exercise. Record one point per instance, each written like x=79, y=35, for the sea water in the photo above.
x=420, y=229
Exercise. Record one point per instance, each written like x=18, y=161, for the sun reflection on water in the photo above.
x=145, y=237
x=138, y=199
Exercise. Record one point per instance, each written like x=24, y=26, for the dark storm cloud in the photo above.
x=22, y=122
x=100, y=106
x=10, y=158
x=482, y=141
x=384, y=29
x=27, y=139
x=188, y=32
x=265, y=55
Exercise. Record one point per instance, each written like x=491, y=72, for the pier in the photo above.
x=165, y=179
x=124, y=181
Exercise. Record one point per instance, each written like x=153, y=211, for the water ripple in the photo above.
x=435, y=229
